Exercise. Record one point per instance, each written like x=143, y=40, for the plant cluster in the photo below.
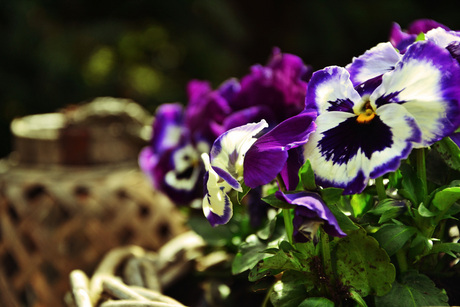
x=348, y=177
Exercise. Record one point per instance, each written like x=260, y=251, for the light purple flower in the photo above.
x=310, y=212
x=364, y=132
x=172, y=158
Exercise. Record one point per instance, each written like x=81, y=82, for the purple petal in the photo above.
x=267, y=156
x=217, y=206
x=229, y=149
x=168, y=127
x=426, y=82
x=290, y=172
x=424, y=25
x=345, y=153
x=373, y=63
x=312, y=207
x=280, y=85
x=248, y=115
x=205, y=110
x=331, y=89
x=400, y=39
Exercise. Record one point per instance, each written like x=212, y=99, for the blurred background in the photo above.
x=56, y=53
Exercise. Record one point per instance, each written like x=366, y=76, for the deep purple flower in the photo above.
x=208, y=108
x=280, y=86
x=310, y=212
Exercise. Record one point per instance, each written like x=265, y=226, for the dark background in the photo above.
x=61, y=52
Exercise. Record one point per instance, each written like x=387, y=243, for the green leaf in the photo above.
x=331, y=196
x=361, y=203
x=345, y=223
x=388, y=209
x=445, y=198
x=275, y=264
x=214, y=236
x=448, y=248
x=425, y=212
x=395, y=179
x=357, y=298
x=363, y=265
x=412, y=187
x=241, y=195
x=287, y=294
x=393, y=237
x=277, y=203
x=307, y=177
x=249, y=255
x=269, y=229
x=449, y=152
x=286, y=246
x=420, y=37
x=415, y=290
x=316, y=302
x=307, y=249
x=305, y=278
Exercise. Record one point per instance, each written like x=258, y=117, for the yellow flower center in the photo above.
x=366, y=116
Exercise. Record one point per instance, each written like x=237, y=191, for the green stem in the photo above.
x=288, y=224
x=326, y=255
x=381, y=192
x=402, y=260
x=286, y=212
x=267, y=297
x=421, y=169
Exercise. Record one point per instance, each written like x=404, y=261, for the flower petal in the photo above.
x=168, y=127
x=267, y=156
x=426, y=83
x=330, y=89
x=344, y=153
x=312, y=207
x=442, y=37
x=374, y=62
x=228, y=150
x=217, y=206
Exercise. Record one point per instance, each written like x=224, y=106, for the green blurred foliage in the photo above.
x=56, y=53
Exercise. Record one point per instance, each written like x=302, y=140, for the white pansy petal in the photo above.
x=330, y=89
x=373, y=63
x=442, y=37
x=217, y=206
x=426, y=82
x=345, y=153
x=227, y=152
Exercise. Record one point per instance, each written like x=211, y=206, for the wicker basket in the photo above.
x=57, y=217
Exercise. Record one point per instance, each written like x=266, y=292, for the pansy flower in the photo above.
x=402, y=39
x=309, y=214
x=446, y=39
x=237, y=156
x=277, y=88
x=383, y=57
x=172, y=160
x=364, y=131
x=207, y=108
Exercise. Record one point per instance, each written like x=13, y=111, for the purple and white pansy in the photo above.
x=237, y=156
x=364, y=131
x=224, y=170
x=171, y=160
x=309, y=213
